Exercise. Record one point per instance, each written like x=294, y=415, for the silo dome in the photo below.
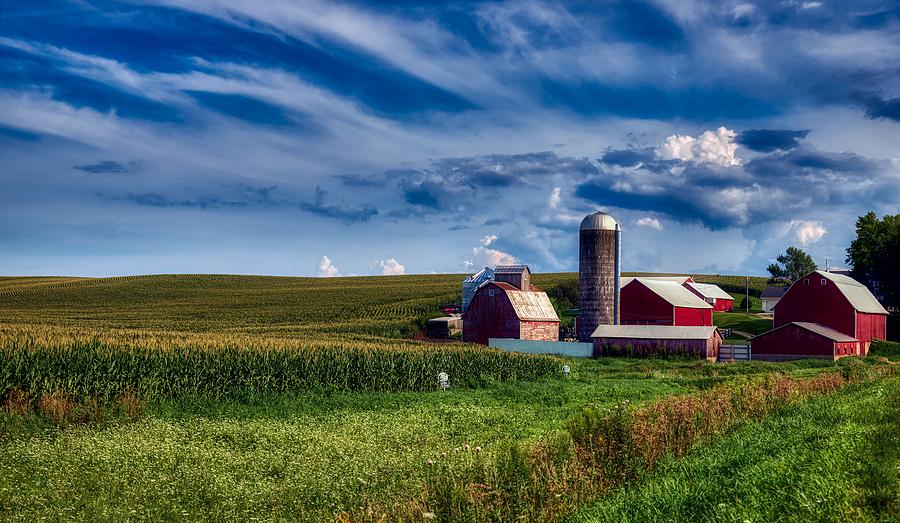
x=599, y=221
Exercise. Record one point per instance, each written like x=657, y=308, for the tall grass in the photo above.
x=106, y=365
x=605, y=448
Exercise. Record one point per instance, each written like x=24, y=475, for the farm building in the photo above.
x=713, y=295
x=501, y=310
x=444, y=327
x=803, y=340
x=647, y=301
x=657, y=340
x=832, y=301
x=770, y=297
x=471, y=284
x=519, y=276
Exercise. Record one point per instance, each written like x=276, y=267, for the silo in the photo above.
x=598, y=273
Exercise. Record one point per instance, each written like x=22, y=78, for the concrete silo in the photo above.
x=598, y=273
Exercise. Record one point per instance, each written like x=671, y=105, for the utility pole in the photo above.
x=747, y=295
x=826, y=264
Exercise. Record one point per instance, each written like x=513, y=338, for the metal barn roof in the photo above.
x=856, y=293
x=674, y=293
x=534, y=306
x=822, y=330
x=709, y=290
x=483, y=275
x=654, y=332
x=511, y=269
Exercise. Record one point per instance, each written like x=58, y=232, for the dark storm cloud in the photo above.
x=768, y=140
x=344, y=214
x=109, y=166
x=883, y=108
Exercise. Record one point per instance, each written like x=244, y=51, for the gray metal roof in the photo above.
x=856, y=293
x=599, y=221
x=483, y=275
x=773, y=292
x=654, y=332
x=673, y=292
x=822, y=330
x=511, y=269
x=710, y=291
x=529, y=305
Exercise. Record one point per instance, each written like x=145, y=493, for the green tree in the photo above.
x=874, y=256
x=792, y=265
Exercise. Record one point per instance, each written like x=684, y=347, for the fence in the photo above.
x=734, y=352
x=556, y=348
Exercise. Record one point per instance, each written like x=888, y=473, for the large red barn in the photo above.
x=500, y=310
x=832, y=301
x=650, y=301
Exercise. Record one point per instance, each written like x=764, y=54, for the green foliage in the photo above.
x=832, y=459
x=792, y=265
x=875, y=256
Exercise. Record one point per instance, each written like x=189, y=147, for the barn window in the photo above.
x=805, y=281
x=490, y=292
x=822, y=281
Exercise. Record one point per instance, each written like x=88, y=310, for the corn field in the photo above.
x=107, y=365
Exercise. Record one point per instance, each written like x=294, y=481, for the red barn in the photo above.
x=803, y=340
x=647, y=301
x=500, y=310
x=712, y=294
x=835, y=301
x=823, y=315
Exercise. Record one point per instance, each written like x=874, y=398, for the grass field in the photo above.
x=836, y=458
x=236, y=432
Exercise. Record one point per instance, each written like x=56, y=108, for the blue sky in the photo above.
x=304, y=138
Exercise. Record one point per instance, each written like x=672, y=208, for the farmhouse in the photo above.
x=829, y=301
x=770, y=297
x=650, y=301
x=656, y=340
x=713, y=295
x=500, y=309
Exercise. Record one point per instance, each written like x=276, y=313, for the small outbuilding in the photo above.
x=803, y=340
x=443, y=328
x=650, y=301
x=720, y=300
x=771, y=296
x=657, y=340
x=501, y=310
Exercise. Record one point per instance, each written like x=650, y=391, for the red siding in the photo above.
x=816, y=303
x=494, y=317
x=539, y=330
x=870, y=327
x=693, y=317
x=723, y=305
x=490, y=317
x=641, y=306
x=795, y=342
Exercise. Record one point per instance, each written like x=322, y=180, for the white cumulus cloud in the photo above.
x=651, y=223
x=742, y=10
x=391, y=267
x=715, y=147
x=327, y=269
x=485, y=256
x=488, y=240
x=808, y=231
x=554, y=200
